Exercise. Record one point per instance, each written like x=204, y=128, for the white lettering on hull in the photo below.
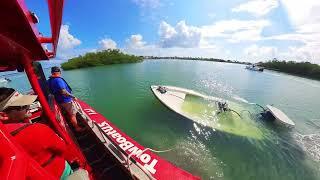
x=90, y=111
x=149, y=163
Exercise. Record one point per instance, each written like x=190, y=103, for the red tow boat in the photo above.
x=103, y=150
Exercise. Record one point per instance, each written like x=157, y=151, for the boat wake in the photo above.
x=238, y=98
x=310, y=144
x=199, y=157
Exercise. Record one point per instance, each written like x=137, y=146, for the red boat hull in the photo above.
x=157, y=166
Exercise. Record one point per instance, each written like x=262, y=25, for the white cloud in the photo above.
x=135, y=42
x=236, y=30
x=302, y=12
x=181, y=35
x=308, y=51
x=147, y=3
x=257, y=7
x=304, y=17
x=108, y=44
x=136, y=45
x=64, y=55
x=67, y=40
x=153, y=50
x=186, y=40
x=260, y=53
x=303, y=53
x=67, y=44
x=211, y=15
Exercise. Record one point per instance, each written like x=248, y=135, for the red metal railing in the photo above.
x=55, y=10
x=72, y=147
x=20, y=46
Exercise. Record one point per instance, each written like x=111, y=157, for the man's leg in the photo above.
x=74, y=122
x=72, y=112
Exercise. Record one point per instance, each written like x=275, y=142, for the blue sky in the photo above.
x=254, y=30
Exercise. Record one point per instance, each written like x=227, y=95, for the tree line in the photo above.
x=100, y=58
x=305, y=69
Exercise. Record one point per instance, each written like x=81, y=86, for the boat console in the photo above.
x=162, y=89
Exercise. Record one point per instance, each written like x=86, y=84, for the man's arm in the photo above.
x=66, y=93
x=62, y=86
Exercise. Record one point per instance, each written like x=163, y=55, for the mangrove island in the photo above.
x=100, y=58
x=304, y=69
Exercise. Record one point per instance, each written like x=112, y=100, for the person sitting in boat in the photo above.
x=7, y=79
x=162, y=89
x=38, y=140
x=62, y=93
x=15, y=105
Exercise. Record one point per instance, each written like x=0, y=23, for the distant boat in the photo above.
x=254, y=68
x=5, y=80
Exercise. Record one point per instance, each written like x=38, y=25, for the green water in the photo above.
x=242, y=149
x=205, y=112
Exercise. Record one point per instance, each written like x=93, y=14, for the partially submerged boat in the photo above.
x=273, y=113
x=216, y=112
x=207, y=110
x=254, y=67
x=102, y=151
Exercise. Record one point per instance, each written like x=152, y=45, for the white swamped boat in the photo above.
x=207, y=110
x=174, y=97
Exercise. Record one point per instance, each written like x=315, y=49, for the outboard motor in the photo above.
x=267, y=115
x=162, y=90
x=223, y=106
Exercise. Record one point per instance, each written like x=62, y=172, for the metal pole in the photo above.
x=44, y=104
x=26, y=61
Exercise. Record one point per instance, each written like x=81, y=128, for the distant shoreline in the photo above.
x=195, y=59
x=299, y=69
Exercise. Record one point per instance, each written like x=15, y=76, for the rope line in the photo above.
x=146, y=149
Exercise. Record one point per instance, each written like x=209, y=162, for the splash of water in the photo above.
x=216, y=86
x=199, y=155
x=310, y=144
x=238, y=98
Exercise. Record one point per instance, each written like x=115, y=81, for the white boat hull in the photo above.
x=280, y=117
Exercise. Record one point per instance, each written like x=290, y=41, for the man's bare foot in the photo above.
x=79, y=129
